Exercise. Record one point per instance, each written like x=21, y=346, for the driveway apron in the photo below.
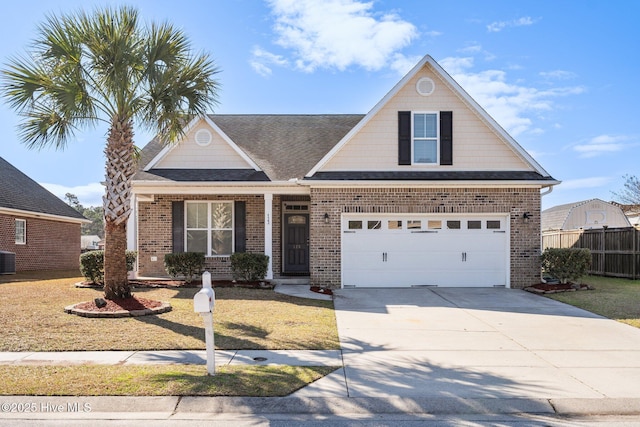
x=477, y=343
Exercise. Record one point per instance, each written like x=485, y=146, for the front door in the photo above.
x=296, y=243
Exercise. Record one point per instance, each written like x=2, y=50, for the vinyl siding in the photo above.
x=475, y=145
x=189, y=155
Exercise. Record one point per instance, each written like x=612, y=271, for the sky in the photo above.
x=560, y=76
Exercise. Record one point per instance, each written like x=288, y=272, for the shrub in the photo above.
x=566, y=264
x=92, y=265
x=188, y=265
x=248, y=267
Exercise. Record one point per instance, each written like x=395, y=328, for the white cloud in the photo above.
x=88, y=195
x=498, y=26
x=510, y=104
x=603, y=144
x=260, y=58
x=558, y=74
x=591, y=182
x=337, y=34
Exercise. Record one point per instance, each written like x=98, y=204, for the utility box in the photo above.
x=7, y=262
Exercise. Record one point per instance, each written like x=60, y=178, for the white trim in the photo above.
x=169, y=147
x=210, y=226
x=456, y=88
x=29, y=214
x=208, y=188
x=413, y=138
x=24, y=231
x=268, y=232
x=430, y=184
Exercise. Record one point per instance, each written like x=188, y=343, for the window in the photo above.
x=414, y=225
x=374, y=225
x=394, y=225
x=493, y=225
x=355, y=225
x=474, y=225
x=210, y=228
x=453, y=225
x=434, y=224
x=425, y=138
x=21, y=232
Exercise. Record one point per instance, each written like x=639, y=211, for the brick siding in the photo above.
x=155, y=237
x=325, y=238
x=51, y=245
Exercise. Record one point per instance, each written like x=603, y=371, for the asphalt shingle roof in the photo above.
x=286, y=147
x=18, y=191
x=283, y=146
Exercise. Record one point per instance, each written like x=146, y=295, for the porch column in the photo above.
x=268, y=233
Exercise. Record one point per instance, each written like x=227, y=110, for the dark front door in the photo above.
x=296, y=243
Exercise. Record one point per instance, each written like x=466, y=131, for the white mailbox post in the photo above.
x=203, y=303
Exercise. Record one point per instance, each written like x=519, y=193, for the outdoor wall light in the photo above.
x=326, y=218
x=526, y=216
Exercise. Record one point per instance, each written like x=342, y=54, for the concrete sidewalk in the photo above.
x=190, y=357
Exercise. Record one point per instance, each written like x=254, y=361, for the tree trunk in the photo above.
x=119, y=170
x=116, y=284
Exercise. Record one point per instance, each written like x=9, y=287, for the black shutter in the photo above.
x=177, y=226
x=446, y=137
x=404, y=137
x=240, y=230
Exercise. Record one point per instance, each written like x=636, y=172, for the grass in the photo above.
x=156, y=380
x=32, y=319
x=617, y=299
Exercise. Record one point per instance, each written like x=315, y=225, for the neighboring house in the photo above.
x=42, y=230
x=587, y=214
x=424, y=190
x=91, y=243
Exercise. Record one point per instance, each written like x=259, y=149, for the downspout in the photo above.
x=549, y=190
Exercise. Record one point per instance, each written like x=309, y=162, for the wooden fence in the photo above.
x=614, y=251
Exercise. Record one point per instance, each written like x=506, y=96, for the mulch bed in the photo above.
x=552, y=288
x=319, y=290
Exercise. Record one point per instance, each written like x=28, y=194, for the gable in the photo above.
x=476, y=146
x=203, y=147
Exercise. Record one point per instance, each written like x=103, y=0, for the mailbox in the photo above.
x=204, y=300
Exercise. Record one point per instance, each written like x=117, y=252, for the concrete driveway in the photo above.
x=477, y=343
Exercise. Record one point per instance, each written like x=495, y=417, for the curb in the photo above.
x=201, y=407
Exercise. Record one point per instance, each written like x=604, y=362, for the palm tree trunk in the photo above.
x=120, y=167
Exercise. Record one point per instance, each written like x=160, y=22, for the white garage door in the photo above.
x=425, y=250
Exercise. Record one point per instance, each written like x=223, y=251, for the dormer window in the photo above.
x=425, y=138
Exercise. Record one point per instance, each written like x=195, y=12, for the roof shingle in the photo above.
x=18, y=191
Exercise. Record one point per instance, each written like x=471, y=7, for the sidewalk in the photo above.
x=190, y=357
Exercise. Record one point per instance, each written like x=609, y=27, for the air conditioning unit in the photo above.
x=7, y=262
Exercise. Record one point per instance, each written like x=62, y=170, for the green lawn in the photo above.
x=156, y=380
x=33, y=319
x=617, y=299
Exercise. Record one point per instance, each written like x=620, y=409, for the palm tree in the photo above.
x=84, y=69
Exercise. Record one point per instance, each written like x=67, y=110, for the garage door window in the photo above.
x=453, y=225
x=355, y=225
x=395, y=225
x=374, y=225
x=493, y=225
x=414, y=225
x=474, y=225
x=434, y=225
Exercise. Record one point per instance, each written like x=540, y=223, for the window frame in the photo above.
x=22, y=241
x=209, y=229
x=414, y=139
